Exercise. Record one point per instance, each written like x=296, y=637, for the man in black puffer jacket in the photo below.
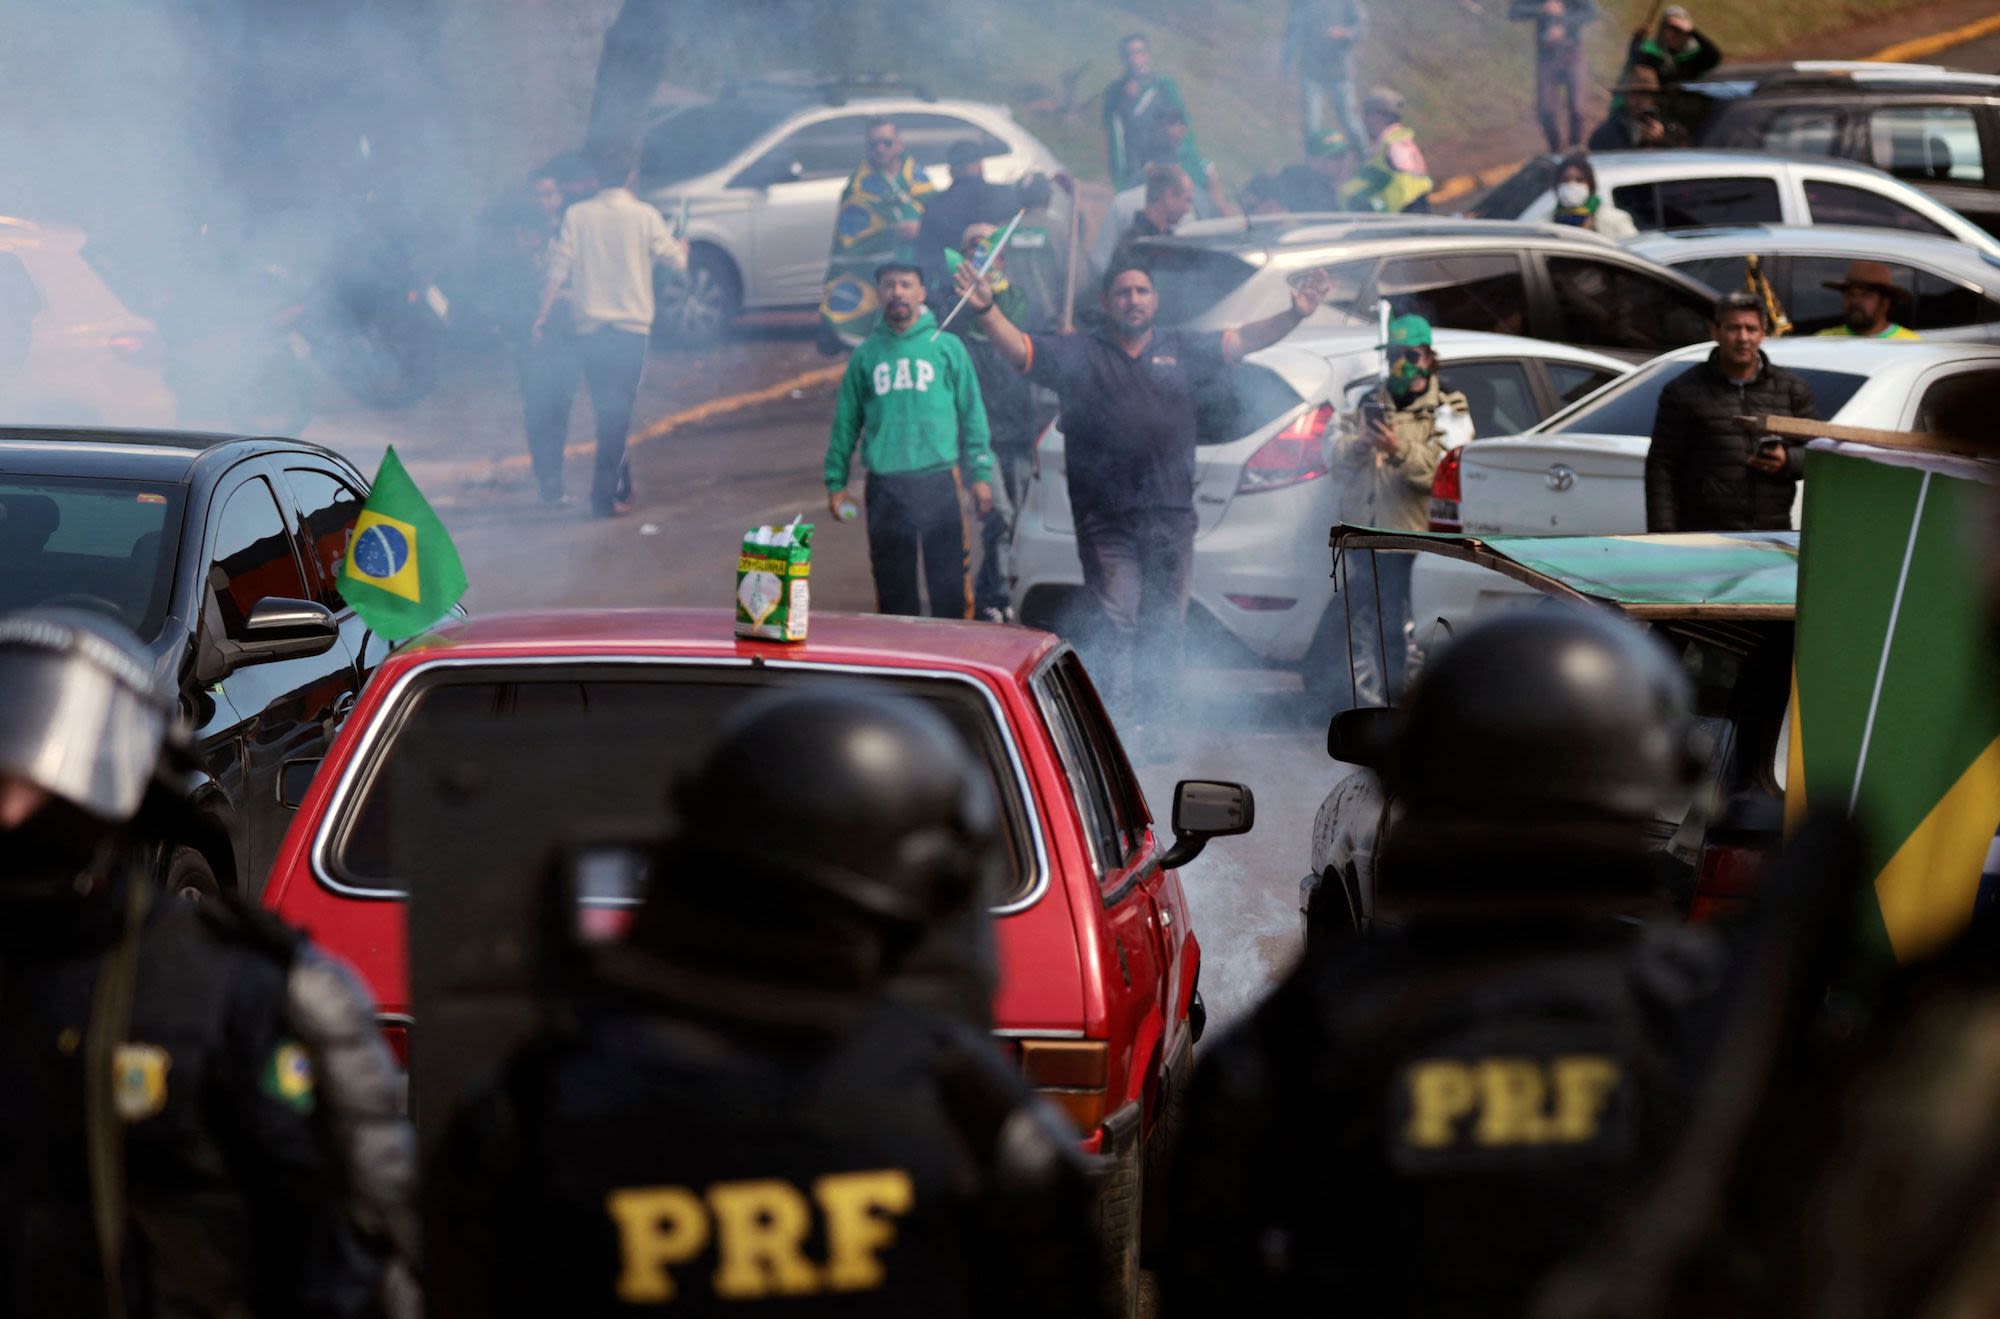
x=1705, y=470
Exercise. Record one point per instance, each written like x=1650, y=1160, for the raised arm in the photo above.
x=1243, y=340
x=1005, y=336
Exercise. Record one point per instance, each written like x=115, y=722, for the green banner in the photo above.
x=402, y=572
x=1896, y=703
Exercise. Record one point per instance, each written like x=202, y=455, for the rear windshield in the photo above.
x=1251, y=398
x=1515, y=194
x=680, y=705
x=1190, y=280
x=1626, y=407
x=701, y=138
x=92, y=544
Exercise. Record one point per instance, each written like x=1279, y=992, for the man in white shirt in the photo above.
x=604, y=253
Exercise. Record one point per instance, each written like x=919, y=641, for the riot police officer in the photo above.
x=761, y=1098
x=173, y=1138
x=1424, y=1122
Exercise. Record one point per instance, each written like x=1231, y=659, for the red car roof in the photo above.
x=847, y=639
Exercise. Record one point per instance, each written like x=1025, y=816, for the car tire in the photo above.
x=186, y=874
x=1163, y=1146
x=1121, y=1198
x=698, y=309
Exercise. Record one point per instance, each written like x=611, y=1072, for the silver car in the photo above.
x=760, y=172
x=1692, y=189
x=1955, y=289
x=1543, y=281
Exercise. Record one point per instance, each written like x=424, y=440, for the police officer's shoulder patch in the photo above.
x=1512, y=1103
x=288, y=1077
x=139, y=1080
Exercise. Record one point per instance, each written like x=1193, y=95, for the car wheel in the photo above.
x=188, y=876
x=699, y=308
x=1120, y=1209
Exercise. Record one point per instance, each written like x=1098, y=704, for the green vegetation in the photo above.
x=1463, y=67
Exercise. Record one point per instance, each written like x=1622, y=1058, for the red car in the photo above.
x=1099, y=963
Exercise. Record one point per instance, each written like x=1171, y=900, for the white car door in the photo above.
x=791, y=226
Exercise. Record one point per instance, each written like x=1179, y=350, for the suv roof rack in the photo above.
x=833, y=91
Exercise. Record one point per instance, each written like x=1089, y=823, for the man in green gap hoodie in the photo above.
x=910, y=399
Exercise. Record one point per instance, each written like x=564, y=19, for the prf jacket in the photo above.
x=1394, y=490
x=1698, y=476
x=912, y=402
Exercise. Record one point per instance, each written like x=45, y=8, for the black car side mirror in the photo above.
x=294, y=778
x=280, y=629
x=1363, y=736
x=1204, y=809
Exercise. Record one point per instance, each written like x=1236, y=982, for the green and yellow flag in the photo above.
x=402, y=572
x=1896, y=698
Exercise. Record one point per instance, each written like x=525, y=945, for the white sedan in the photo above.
x=1264, y=499
x=1583, y=471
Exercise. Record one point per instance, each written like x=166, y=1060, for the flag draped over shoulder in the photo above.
x=1896, y=697
x=402, y=573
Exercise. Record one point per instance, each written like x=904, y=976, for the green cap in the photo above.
x=1410, y=332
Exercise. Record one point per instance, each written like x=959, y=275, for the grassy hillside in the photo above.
x=1465, y=69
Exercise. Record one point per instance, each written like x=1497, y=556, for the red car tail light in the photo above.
x=1072, y=1075
x=1445, y=492
x=1290, y=457
x=1261, y=604
x=1725, y=880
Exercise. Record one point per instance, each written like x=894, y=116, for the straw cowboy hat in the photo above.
x=1870, y=275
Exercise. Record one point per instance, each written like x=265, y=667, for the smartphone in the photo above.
x=1372, y=411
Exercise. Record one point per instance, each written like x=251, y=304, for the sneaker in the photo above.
x=997, y=614
x=556, y=499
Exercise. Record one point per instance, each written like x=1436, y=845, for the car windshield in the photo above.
x=93, y=544
x=680, y=705
x=699, y=138
x=1626, y=407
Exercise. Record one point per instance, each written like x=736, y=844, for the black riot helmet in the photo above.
x=1538, y=736
x=83, y=724
x=818, y=841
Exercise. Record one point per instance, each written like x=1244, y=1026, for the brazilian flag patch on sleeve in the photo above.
x=289, y=1077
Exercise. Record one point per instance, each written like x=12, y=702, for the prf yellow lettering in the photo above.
x=1440, y=1094
x=1511, y=1093
x=858, y=1207
x=657, y=1226
x=1583, y=1086
x=760, y=1230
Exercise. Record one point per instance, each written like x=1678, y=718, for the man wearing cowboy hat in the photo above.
x=1636, y=121
x=1867, y=296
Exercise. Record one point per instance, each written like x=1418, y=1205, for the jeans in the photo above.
x=915, y=518
x=613, y=361
x=991, y=588
x=1314, y=96
x=548, y=372
x=1137, y=567
x=1561, y=76
x=1375, y=635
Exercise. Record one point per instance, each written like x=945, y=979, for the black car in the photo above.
x=221, y=553
x=1937, y=128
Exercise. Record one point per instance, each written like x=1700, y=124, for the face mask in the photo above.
x=1572, y=195
x=1407, y=379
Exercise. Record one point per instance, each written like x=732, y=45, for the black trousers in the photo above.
x=613, y=361
x=915, y=517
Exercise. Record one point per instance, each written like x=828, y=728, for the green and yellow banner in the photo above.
x=1896, y=697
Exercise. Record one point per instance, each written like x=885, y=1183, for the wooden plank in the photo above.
x=1800, y=430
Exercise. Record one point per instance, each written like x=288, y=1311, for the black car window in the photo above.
x=1720, y=273
x=1459, y=291
x=1961, y=404
x=1511, y=198
x=828, y=149
x=1699, y=203
x=1628, y=407
x=329, y=507
x=1572, y=380
x=1840, y=203
x=253, y=558
x=1928, y=143
x=1248, y=397
x=1607, y=305
x=1936, y=302
x=681, y=707
x=1109, y=767
x=1806, y=130
x=1086, y=784
x=1498, y=393
x=95, y=544
x=928, y=137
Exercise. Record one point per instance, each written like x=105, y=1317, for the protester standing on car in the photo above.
x=201, y=1115
x=881, y=215
x=1394, y=176
x=1425, y=1121
x=1319, y=184
x=1168, y=201
x=1385, y=468
x=1705, y=469
x=1579, y=203
x=1677, y=51
x=1320, y=37
x=1867, y=296
x=1561, y=72
x=1010, y=426
x=751, y=1105
x=1635, y=122
x=1128, y=392
x=968, y=201
x=1136, y=108
x=910, y=400
x=604, y=255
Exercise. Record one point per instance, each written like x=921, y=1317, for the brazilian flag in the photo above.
x=402, y=572
x=1896, y=695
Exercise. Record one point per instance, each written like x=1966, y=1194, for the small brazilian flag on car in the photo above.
x=402, y=572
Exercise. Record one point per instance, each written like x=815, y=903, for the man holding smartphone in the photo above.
x=1706, y=469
